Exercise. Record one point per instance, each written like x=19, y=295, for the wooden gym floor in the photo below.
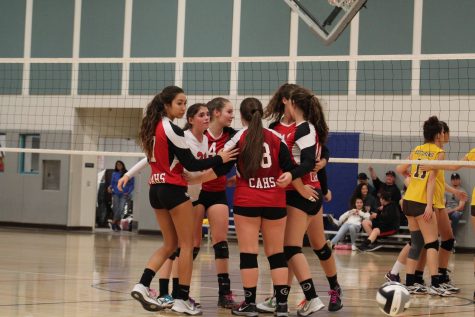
x=55, y=273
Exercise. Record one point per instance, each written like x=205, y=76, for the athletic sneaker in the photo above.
x=267, y=306
x=368, y=247
x=142, y=294
x=226, y=301
x=281, y=310
x=354, y=247
x=335, y=300
x=450, y=287
x=245, y=309
x=186, y=306
x=392, y=277
x=438, y=291
x=307, y=307
x=417, y=289
x=166, y=301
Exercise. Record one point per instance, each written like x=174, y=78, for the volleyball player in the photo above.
x=167, y=152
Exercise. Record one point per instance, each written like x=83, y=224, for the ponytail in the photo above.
x=253, y=149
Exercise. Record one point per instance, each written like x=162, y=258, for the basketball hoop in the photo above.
x=344, y=4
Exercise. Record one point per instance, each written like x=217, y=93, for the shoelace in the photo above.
x=152, y=293
x=334, y=296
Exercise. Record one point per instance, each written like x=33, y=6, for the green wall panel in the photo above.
x=206, y=78
x=386, y=27
x=52, y=30
x=11, y=79
x=102, y=28
x=12, y=27
x=447, y=27
x=100, y=79
x=208, y=29
x=323, y=78
x=261, y=78
x=50, y=79
x=150, y=78
x=154, y=28
x=448, y=77
x=384, y=78
x=265, y=28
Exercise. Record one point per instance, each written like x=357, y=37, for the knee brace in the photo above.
x=177, y=252
x=173, y=256
x=417, y=243
x=432, y=245
x=221, y=250
x=324, y=253
x=248, y=261
x=277, y=261
x=447, y=244
x=195, y=252
x=290, y=251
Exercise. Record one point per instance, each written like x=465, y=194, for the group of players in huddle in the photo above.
x=280, y=186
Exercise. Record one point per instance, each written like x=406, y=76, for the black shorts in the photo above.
x=296, y=200
x=375, y=223
x=473, y=210
x=269, y=213
x=167, y=196
x=208, y=199
x=413, y=208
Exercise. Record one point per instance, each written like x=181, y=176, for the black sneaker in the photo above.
x=227, y=301
x=392, y=277
x=373, y=247
x=245, y=309
x=335, y=300
x=282, y=310
x=364, y=246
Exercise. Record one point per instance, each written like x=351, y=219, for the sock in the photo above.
x=281, y=293
x=183, y=291
x=434, y=280
x=367, y=242
x=333, y=281
x=443, y=276
x=224, y=284
x=397, y=267
x=250, y=295
x=419, y=277
x=410, y=279
x=308, y=289
x=175, y=287
x=147, y=277
x=163, y=282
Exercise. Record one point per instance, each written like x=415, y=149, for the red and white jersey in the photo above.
x=171, y=153
x=200, y=151
x=262, y=190
x=299, y=138
x=216, y=144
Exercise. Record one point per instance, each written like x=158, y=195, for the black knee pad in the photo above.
x=177, y=252
x=290, y=251
x=248, y=261
x=324, y=253
x=277, y=261
x=221, y=250
x=432, y=245
x=173, y=256
x=416, y=243
x=447, y=244
x=195, y=252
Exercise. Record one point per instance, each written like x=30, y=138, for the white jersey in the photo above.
x=200, y=151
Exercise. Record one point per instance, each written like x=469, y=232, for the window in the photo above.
x=3, y=143
x=30, y=162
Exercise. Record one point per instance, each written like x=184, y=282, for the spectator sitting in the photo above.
x=388, y=186
x=369, y=201
x=363, y=179
x=455, y=207
x=384, y=223
x=350, y=221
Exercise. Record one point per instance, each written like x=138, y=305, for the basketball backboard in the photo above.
x=327, y=24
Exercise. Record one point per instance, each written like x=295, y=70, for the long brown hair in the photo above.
x=191, y=112
x=275, y=108
x=312, y=110
x=216, y=104
x=251, y=153
x=153, y=114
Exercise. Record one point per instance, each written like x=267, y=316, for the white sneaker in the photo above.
x=417, y=289
x=142, y=294
x=450, y=287
x=267, y=306
x=187, y=307
x=438, y=291
x=306, y=307
x=354, y=247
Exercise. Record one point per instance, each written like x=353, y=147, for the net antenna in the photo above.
x=349, y=8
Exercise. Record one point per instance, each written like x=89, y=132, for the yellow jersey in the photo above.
x=417, y=190
x=470, y=156
x=439, y=190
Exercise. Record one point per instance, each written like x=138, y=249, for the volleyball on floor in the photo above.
x=392, y=298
